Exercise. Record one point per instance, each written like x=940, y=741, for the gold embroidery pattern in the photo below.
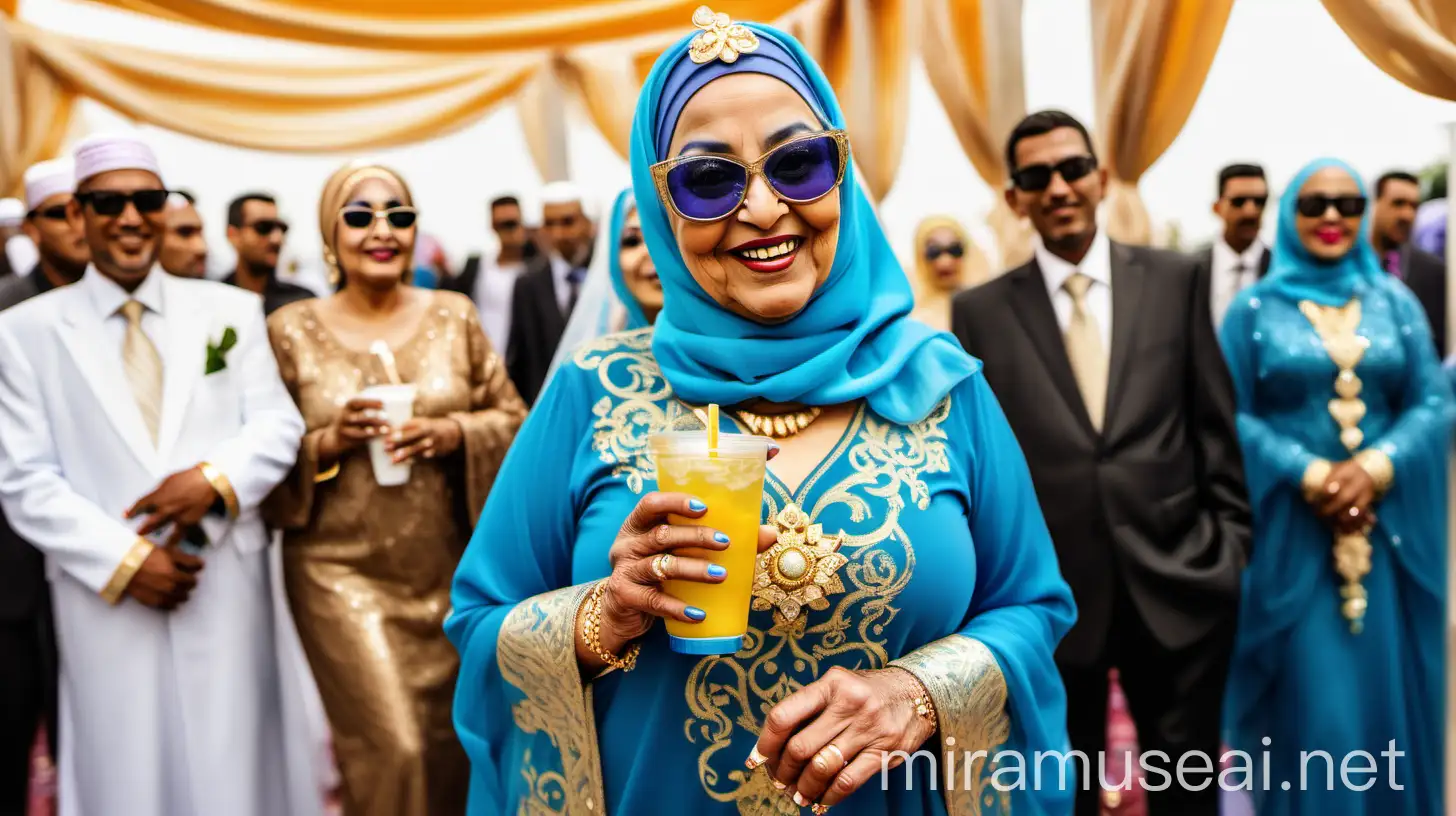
x=799, y=570
x=637, y=403
x=536, y=652
x=969, y=691
x=781, y=654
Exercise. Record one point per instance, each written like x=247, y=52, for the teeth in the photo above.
x=770, y=253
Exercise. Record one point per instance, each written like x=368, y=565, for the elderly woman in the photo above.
x=368, y=567
x=936, y=601
x=1344, y=415
x=946, y=261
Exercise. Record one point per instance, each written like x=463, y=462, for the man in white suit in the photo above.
x=142, y=421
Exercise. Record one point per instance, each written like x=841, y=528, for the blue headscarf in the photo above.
x=620, y=208
x=851, y=341
x=1299, y=275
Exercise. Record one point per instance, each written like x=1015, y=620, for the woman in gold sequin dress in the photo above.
x=368, y=567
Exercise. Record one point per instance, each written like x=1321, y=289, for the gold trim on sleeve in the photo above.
x=223, y=487
x=969, y=695
x=327, y=475
x=1382, y=471
x=126, y=570
x=1315, y=477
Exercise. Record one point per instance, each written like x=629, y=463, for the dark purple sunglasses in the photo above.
x=710, y=187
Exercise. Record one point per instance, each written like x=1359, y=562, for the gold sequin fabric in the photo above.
x=368, y=568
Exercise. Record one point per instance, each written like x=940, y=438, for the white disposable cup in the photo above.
x=399, y=407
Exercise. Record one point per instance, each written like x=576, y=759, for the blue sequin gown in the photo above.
x=1300, y=678
x=948, y=570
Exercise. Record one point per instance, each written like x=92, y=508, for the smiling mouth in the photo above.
x=774, y=257
x=382, y=255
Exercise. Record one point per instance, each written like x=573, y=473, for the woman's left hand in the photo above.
x=424, y=437
x=824, y=741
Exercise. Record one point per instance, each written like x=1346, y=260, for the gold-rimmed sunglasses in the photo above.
x=707, y=187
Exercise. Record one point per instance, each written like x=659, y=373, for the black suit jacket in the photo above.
x=1156, y=501
x=1205, y=268
x=1425, y=274
x=536, y=328
x=23, y=589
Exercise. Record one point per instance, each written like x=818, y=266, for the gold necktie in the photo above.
x=1084, y=350
x=143, y=367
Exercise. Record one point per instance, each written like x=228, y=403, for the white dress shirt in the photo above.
x=1097, y=265
x=108, y=298
x=494, y=287
x=1232, y=272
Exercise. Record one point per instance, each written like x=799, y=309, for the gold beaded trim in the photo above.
x=779, y=426
x=925, y=710
x=591, y=631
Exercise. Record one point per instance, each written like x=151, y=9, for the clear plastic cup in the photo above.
x=731, y=484
x=399, y=408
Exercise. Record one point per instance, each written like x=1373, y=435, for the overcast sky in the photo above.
x=1285, y=87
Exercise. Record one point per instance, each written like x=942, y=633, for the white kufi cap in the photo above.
x=106, y=152
x=12, y=212
x=49, y=178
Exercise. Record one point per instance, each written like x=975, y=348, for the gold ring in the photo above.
x=660, y=566
x=823, y=761
x=818, y=809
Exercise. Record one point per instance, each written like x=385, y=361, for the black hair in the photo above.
x=504, y=201
x=235, y=209
x=1237, y=171
x=1394, y=175
x=1044, y=122
x=191, y=199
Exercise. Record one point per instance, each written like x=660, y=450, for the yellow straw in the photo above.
x=713, y=429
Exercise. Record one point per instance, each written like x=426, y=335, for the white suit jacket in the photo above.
x=74, y=451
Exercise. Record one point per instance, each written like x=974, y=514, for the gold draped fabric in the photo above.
x=1150, y=59
x=967, y=43
x=35, y=109
x=460, y=26
x=1412, y=40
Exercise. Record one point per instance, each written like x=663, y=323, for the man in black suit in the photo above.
x=1238, y=258
x=1106, y=362
x=492, y=284
x=1397, y=195
x=544, y=297
x=257, y=233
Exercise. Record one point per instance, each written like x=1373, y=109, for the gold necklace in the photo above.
x=779, y=426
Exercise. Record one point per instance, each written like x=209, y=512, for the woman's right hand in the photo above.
x=359, y=421
x=645, y=554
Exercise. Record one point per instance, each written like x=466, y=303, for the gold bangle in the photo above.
x=126, y=570
x=591, y=631
x=223, y=487
x=1315, y=475
x=320, y=478
x=925, y=710
x=1376, y=463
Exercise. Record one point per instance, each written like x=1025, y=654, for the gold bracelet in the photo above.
x=925, y=710
x=223, y=487
x=1315, y=476
x=1382, y=471
x=320, y=478
x=591, y=631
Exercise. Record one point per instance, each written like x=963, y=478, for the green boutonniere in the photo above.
x=217, y=352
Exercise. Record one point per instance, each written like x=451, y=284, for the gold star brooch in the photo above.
x=800, y=570
x=721, y=38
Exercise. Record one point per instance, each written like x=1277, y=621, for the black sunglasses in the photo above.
x=506, y=226
x=268, y=226
x=398, y=217
x=933, y=253
x=111, y=202
x=1314, y=206
x=1239, y=202
x=55, y=213
x=1037, y=177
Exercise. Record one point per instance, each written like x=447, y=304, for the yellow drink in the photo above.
x=731, y=485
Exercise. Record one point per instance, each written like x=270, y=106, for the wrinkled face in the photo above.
x=568, y=231
x=505, y=220
x=184, y=248
x=61, y=242
x=1395, y=211
x=1328, y=235
x=260, y=238
x=1065, y=213
x=1241, y=208
x=377, y=255
x=765, y=259
x=637, y=270
x=123, y=246
x=945, y=255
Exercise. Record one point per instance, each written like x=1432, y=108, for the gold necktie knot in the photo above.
x=132, y=310
x=1077, y=286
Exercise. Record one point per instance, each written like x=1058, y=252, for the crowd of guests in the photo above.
x=1220, y=474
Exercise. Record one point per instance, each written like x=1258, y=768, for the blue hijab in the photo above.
x=1298, y=275
x=620, y=208
x=851, y=341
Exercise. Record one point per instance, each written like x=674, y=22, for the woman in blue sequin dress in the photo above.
x=1344, y=414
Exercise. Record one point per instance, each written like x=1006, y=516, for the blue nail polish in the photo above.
x=716, y=571
x=721, y=538
x=697, y=506
x=695, y=613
